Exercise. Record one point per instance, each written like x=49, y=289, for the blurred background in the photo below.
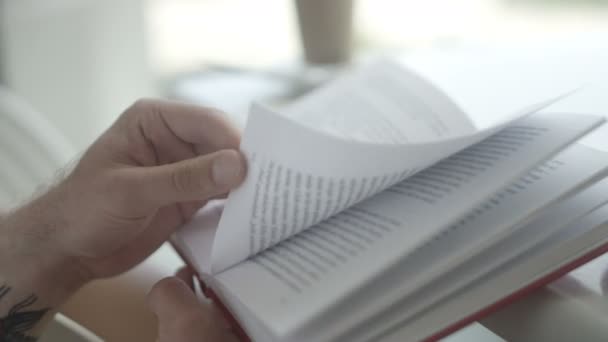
x=81, y=62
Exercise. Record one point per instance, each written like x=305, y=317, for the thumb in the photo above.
x=195, y=179
x=181, y=317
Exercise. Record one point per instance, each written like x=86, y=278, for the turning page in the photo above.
x=335, y=147
x=381, y=103
x=298, y=177
x=350, y=249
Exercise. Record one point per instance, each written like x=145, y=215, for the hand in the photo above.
x=182, y=317
x=144, y=177
x=147, y=175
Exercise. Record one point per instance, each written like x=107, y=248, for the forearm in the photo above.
x=35, y=278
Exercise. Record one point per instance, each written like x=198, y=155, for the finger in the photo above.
x=194, y=179
x=188, y=209
x=185, y=273
x=193, y=124
x=226, y=330
x=168, y=147
x=180, y=316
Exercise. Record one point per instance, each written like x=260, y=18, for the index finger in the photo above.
x=204, y=127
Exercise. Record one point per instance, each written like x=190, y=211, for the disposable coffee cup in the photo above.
x=326, y=30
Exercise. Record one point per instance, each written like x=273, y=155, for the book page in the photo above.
x=381, y=103
x=313, y=270
x=546, y=183
x=328, y=156
x=579, y=232
x=510, y=222
x=298, y=177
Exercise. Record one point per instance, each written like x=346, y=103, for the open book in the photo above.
x=374, y=210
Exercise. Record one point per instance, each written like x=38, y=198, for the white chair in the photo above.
x=31, y=152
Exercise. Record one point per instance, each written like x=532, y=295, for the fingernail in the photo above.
x=227, y=169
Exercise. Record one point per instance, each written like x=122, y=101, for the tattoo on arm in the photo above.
x=14, y=327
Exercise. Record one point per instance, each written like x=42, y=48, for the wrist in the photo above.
x=30, y=254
